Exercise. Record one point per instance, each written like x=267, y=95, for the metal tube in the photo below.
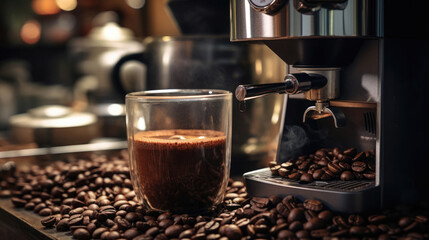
x=250, y=91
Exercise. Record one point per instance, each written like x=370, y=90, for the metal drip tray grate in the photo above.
x=335, y=185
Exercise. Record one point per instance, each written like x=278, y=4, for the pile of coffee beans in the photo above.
x=93, y=199
x=328, y=164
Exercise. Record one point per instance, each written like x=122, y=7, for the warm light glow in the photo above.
x=30, y=32
x=67, y=5
x=45, y=7
x=112, y=32
x=136, y=4
x=141, y=124
x=115, y=109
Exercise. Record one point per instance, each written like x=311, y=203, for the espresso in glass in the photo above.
x=180, y=169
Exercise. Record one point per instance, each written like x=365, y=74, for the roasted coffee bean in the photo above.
x=306, y=177
x=173, y=231
x=153, y=231
x=285, y=234
x=334, y=168
x=282, y=209
x=272, y=163
x=314, y=223
x=283, y=172
x=358, y=166
x=296, y=214
x=347, y=175
x=97, y=232
x=17, y=202
x=278, y=227
x=421, y=219
x=340, y=233
x=29, y=206
x=45, y=212
x=49, y=221
x=318, y=174
x=295, y=226
x=339, y=221
x=275, y=170
x=319, y=233
x=260, y=202
x=313, y=205
x=294, y=176
x=351, y=152
x=369, y=175
x=211, y=227
x=131, y=233
x=358, y=230
x=356, y=220
x=81, y=234
x=326, y=215
x=63, y=225
x=186, y=233
x=359, y=157
x=232, y=231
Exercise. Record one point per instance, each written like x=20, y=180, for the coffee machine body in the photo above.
x=373, y=67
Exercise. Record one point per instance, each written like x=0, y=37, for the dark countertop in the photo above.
x=18, y=223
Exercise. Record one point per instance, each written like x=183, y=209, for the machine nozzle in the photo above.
x=293, y=83
x=322, y=110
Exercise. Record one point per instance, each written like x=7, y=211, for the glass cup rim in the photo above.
x=170, y=94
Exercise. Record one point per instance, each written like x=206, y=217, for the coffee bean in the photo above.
x=48, y=221
x=358, y=166
x=131, y=233
x=313, y=204
x=319, y=233
x=334, y=168
x=314, y=223
x=45, y=212
x=29, y=206
x=232, y=231
x=17, y=202
x=306, y=177
x=347, y=175
x=294, y=176
x=81, y=234
x=211, y=227
x=199, y=236
x=359, y=157
x=186, y=233
x=275, y=170
x=63, y=225
x=356, y=220
x=358, y=230
x=296, y=214
x=326, y=215
x=173, y=231
x=295, y=226
x=339, y=221
x=318, y=174
x=340, y=233
x=285, y=234
x=97, y=232
x=75, y=220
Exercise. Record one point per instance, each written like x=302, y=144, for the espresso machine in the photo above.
x=355, y=71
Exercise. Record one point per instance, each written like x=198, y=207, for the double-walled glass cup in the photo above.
x=180, y=147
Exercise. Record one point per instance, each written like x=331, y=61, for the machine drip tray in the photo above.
x=343, y=196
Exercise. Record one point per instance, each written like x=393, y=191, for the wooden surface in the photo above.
x=18, y=223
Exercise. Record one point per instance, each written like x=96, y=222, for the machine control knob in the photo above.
x=266, y=6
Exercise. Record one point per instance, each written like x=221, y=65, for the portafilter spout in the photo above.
x=316, y=87
x=293, y=83
x=322, y=110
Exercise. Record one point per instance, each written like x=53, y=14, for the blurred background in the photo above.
x=57, y=58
